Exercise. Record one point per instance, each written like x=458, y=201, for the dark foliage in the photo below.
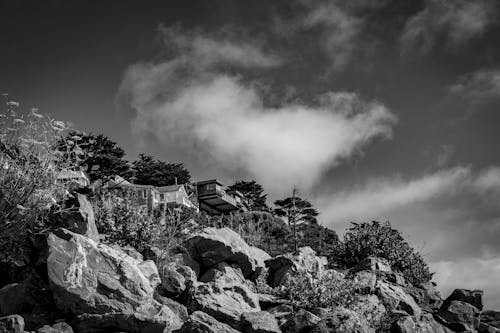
x=151, y=171
x=254, y=194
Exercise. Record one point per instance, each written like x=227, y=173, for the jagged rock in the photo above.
x=12, y=324
x=370, y=308
x=426, y=295
x=177, y=308
x=396, y=299
x=31, y=299
x=492, y=318
x=212, y=246
x=459, y=316
x=200, y=322
x=260, y=257
x=268, y=301
x=343, y=320
x=259, y=322
x=472, y=297
x=130, y=250
x=281, y=312
x=87, y=277
x=79, y=218
x=485, y=328
x=225, y=272
x=426, y=324
x=283, y=266
x=224, y=301
x=60, y=327
x=365, y=281
x=372, y=264
x=301, y=321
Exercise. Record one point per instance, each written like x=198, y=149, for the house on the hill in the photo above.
x=71, y=176
x=173, y=195
x=215, y=198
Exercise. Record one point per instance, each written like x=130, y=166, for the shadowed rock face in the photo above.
x=200, y=322
x=79, y=218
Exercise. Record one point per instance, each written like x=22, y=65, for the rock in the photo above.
x=302, y=321
x=370, y=308
x=372, y=264
x=472, y=297
x=225, y=272
x=396, y=299
x=178, y=273
x=426, y=324
x=267, y=301
x=426, y=295
x=343, y=320
x=459, y=316
x=491, y=318
x=87, y=277
x=212, y=246
x=281, y=312
x=130, y=250
x=200, y=322
x=365, y=281
x=225, y=302
x=31, y=299
x=259, y=322
x=12, y=324
x=485, y=328
x=304, y=262
x=79, y=218
x=153, y=319
x=60, y=327
x=260, y=257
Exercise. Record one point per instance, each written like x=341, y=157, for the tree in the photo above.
x=151, y=171
x=296, y=210
x=100, y=157
x=253, y=193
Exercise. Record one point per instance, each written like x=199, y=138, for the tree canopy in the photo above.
x=97, y=155
x=151, y=171
x=296, y=209
x=253, y=193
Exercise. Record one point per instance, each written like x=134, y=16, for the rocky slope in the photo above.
x=213, y=285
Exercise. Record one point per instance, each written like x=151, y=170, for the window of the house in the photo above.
x=162, y=196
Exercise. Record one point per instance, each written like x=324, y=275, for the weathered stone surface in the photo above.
x=87, y=277
x=459, y=316
x=200, y=322
x=224, y=301
x=370, y=308
x=12, y=324
x=395, y=298
x=281, y=312
x=301, y=321
x=156, y=318
x=212, y=246
x=485, y=328
x=343, y=320
x=372, y=264
x=426, y=295
x=225, y=273
x=176, y=278
x=61, y=327
x=259, y=322
x=130, y=250
x=365, y=281
x=268, y=301
x=79, y=218
x=491, y=318
x=304, y=262
x=426, y=324
x=472, y=297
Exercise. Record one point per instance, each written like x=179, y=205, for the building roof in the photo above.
x=170, y=188
x=209, y=182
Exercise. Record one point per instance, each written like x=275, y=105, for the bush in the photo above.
x=381, y=240
x=29, y=165
x=328, y=290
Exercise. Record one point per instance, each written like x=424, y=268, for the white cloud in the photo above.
x=452, y=21
x=186, y=102
x=477, y=88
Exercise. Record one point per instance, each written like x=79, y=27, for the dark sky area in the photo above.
x=384, y=110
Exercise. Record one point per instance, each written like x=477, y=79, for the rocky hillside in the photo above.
x=215, y=282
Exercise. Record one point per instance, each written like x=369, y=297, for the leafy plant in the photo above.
x=150, y=171
x=381, y=240
x=253, y=193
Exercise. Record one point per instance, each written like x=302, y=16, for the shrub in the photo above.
x=328, y=289
x=381, y=240
x=29, y=165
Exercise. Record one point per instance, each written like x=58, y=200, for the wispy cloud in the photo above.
x=191, y=99
x=476, y=89
x=452, y=22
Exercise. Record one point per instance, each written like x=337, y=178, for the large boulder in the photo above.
x=370, y=308
x=12, y=324
x=226, y=302
x=212, y=246
x=343, y=320
x=200, y=322
x=426, y=295
x=396, y=299
x=87, y=277
x=459, y=316
x=491, y=318
x=302, y=321
x=472, y=297
x=224, y=273
x=305, y=261
x=372, y=264
x=259, y=322
x=78, y=217
x=60, y=327
x=426, y=324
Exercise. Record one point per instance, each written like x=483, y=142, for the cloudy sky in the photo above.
x=375, y=110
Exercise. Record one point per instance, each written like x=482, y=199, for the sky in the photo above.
x=375, y=110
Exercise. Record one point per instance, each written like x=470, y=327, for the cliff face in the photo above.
x=216, y=282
